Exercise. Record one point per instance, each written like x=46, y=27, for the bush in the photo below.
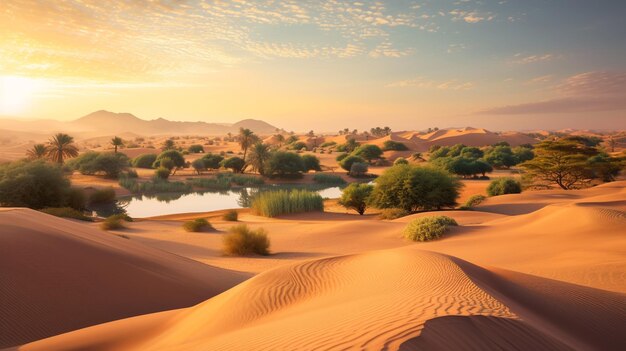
x=112, y=223
x=130, y=173
x=340, y=157
x=393, y=213
x=231, y=216
x=276, y=203
x=75, y=198
x=324, y=178
x=356, y=196
x=502, y=186
x=66, y=212
x=102, y=196
x=235, y=164
x=241, y=240
x=109, y=164
x=358, y=169
x=155, y=186
x=328, y=144
x=162, y=173
x=197, y=225
x=199, y=166
x=285, y=164
x=177, y=159
x=196, y=149
x=299, y=145
x=390, y=145
x=217, y=183
x=144, y=161
x=473, y=201
x=368, y=152
x=243, y=180
x=428, y=228
x=348, y=161
x=311, y=163
x=415, y=188
x=212, y=161
x=33, y=184
x=400, y=161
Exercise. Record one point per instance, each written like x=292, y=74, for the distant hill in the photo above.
x=110, y=123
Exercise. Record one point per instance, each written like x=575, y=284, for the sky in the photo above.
x=323, y=65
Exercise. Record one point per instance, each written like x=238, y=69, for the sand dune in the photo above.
x=59, y=275
x=379, y=300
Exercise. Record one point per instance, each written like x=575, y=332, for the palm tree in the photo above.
x=280, y=139
x=116, y=142
x=38, y=152
x=259, y=154
x=246, y=139
x=417, y=157
x=61, y=146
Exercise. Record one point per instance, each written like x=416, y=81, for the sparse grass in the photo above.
x=113, y=222
x=231, y=216
x=210, y=183
x=241, y=179
x=324, y=178
x=197, y=225
x=241, y=240
x=275, y=203
x=473, y=201
x=428, y=228
x=393, y=213
x=158, y=186
x=66, y=212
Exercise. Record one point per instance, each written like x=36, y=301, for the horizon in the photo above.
x=498, y=65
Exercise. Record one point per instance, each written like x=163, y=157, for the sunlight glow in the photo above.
x=16, y=93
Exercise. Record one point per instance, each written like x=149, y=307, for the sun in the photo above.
x=16, y=93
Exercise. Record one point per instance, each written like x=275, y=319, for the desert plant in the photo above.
x=102, y=196
x=393, y=213
x=212, y=161
x=231, y=216
x=60, y=147
x=236, y=164
x=502, y=186
x=144, y=161
x=162, y=173
x=324, y=178
x=428, y=228
x=359, y=169
x=348, y=161
x=311, y=163
x=33, y=184
x=241, y=240
x=197, y=225
x=177, y=160
x=66, y=212
x=368, y=152
x=168, y=145
x=259, y=155
x=246, y=138
x=473, y=201
x=108, y=164
x=75, y=198
x=394, y=145
x=276, y=203
x=217, y=183
x=37, y=152
x=112, y=223
x=130, y=173
x=195, y=149
x=400, y=161
x=285, y=164
x=116, y=142
x=199, y=166
x=356, y=196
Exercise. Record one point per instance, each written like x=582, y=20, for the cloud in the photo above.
x=585, y=92
x=423, y=83
x=523, y=60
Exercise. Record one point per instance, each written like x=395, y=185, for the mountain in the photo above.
x=112, y=123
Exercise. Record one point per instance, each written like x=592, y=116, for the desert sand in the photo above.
x=542, y=270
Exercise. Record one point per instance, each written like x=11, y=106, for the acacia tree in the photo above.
x=356, y=196
x=564, y=162
x=37, y=152
x=61, y=146
x=117, y=142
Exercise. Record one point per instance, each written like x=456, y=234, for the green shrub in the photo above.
x=328, y=144
x=356, y=196
x=275, y=203
x=324, y=178
x=414, y=188
x=340, y=157
x=66, y=212
x=400, y=161
x=195, y=149
x=144, y=161
x=394, y=145
x=217, y=183
x=112, y=223
x=285, y=165
x=474, y=201
x=235, y=164
x=155, y=186
x=311, y=163
x=162, y=173
x=33, y=184
x=109, y=164
x=359, y=169
x=347, y=162
x=298, y=145
x=102, y=196
x=231, y=216
x=241, y=240
x=199, y=166
x=75, y=198
x=428, y=228
x=393, y=213
x=177, y=160
x=212, y=161
x=130, y=173
x=245, y=180
x=368, y=152
x=197, y=225
x=502, y=186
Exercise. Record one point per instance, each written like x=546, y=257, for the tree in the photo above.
x=311, y=163
x=177, y=159
x=358, y=169
x=117, y=142
x=144, y=161
x=564, y=162
x=417, y=156
x=285, y=164
x=199, y=166
x=500, y=156
x=34, y=184
x=350, y=145
x=246, y=138
x=394, y=145
x=61, y=146
x=195, y=149
x=523, y=154
x=348, y=161
x=212, y=161
x=280, y=139
x=236, y=164
x=471, y=152
x=37, y=152
x=415, y=188
x=168, y=145
x=259, y=154
x=368, y=152
x=107, y=163
x=356, y=196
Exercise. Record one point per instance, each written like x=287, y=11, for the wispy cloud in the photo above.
x=527, y=59
x=423, y=83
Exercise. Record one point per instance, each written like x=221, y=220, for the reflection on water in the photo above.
x=163, y=204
